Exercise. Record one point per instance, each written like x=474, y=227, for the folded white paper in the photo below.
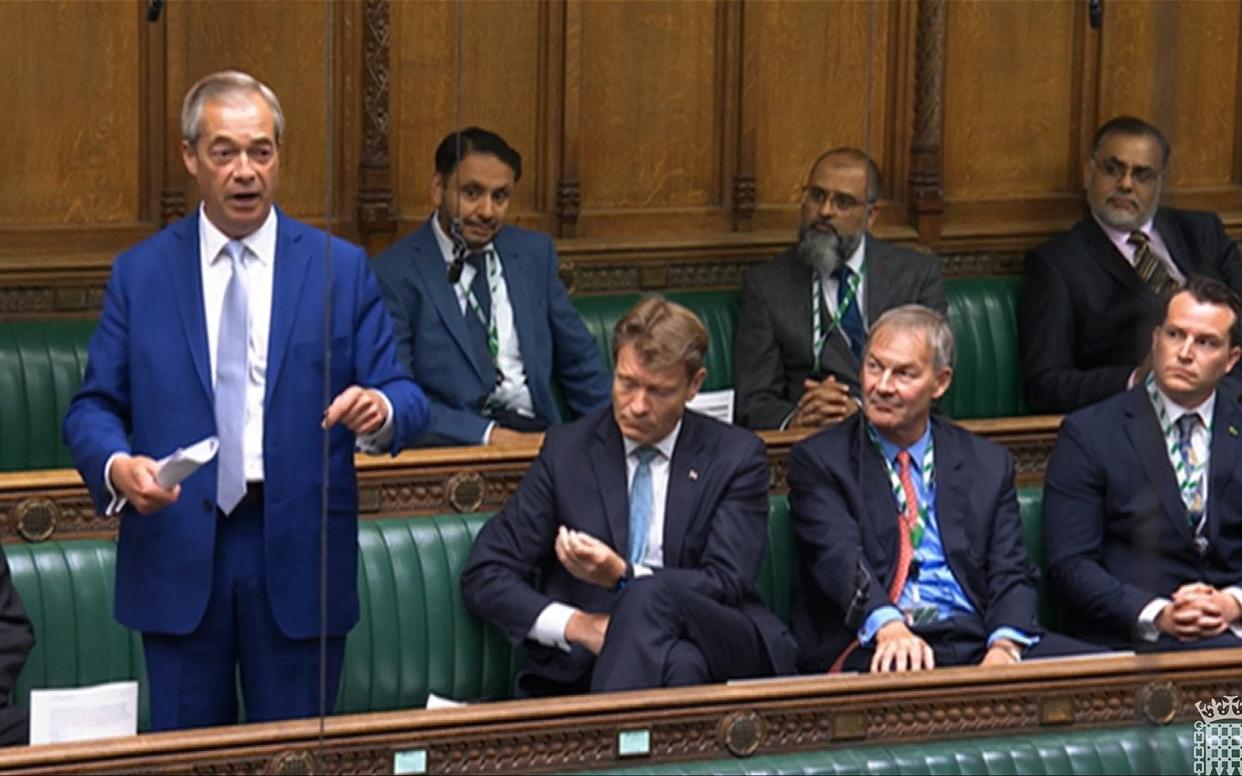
x=715, y=404
x=82, y=714
x=439, y=702
x=185, y=461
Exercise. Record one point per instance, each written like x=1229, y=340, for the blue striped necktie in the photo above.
x=641, y=504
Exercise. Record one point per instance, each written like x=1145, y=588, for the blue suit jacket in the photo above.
x=432, y=339
x=715, y=531
x=1115, y=527
x=844, y=513
x=148, y=389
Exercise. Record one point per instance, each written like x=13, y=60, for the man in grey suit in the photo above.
x=805, y=314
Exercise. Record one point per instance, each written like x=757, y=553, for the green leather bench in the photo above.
x=415, y=636
x=982, y=312
x=41, y=362
x=1128, y=750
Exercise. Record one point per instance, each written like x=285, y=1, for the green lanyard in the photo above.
x=492, y=267
x=1190, y=474
x=819, y=335
x=899, y=493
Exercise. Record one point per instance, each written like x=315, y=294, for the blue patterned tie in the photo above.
x=851, y=318
x=641, y=504
x=231, y=380
x=1192, y=496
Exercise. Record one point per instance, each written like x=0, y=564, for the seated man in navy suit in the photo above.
x=479, y=313
x=909, y=538
x=1143, y=496
x=646, y=525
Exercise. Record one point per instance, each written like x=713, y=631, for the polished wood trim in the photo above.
x=695, y=723
x=54, y=504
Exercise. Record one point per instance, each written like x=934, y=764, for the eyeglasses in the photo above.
x=841, y=201
x=1113, y=169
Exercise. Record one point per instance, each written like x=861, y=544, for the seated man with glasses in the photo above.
x=1093, y=294
x=805, y=315
x=1142, y=504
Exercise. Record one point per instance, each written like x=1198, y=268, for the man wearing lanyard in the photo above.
x=804, y=315
x=478, y=310
x=644, y=526
x=909, y=538
x=1143, y=504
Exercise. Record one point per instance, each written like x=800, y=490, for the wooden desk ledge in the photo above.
x=707, y=722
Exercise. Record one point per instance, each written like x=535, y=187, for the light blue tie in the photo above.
x=641, y=504
x=231, y=380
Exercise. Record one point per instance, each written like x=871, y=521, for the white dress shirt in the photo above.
x=1121, y=239
x=831, y=286
x=512, y=391
x=549, y=627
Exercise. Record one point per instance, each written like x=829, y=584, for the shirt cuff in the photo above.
x=1147, y=630
x=379, y=440
x=1021, y=638
x=642, y=571
x=549, y=627
x=118, y=502
x=1235, y=627
x=878, y=619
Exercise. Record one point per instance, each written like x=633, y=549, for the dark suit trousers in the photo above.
x=663, y=634
x=193, y=678
x=961, y=641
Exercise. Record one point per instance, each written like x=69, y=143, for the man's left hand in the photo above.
x=362, y=410
x=588, y=559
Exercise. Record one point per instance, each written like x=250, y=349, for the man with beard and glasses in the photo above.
x=478, y=309
x=1092, y=295
x=805, y=315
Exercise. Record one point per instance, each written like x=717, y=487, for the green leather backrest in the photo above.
x=600, y=314
x=776, y=574
x=986, y=381
x=41, y=366
x=1136, y=750
x=67, y=588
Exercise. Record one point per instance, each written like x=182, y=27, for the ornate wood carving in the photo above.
x=172, y=205
x=743, y=200
x=376, y=215
x=926, y=196
x=568, y=202
x=981, y=264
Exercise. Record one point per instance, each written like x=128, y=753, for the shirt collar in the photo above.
x=855, y=261
x=1173, y=410
x=1121, y=236
x=665, y=445
x=261, y=242
x=446, y=243
x=917, y=450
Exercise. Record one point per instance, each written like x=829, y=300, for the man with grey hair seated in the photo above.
x=805, y=314
x=910, y=550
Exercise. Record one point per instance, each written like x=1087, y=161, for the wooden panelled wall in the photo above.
x=648, y=128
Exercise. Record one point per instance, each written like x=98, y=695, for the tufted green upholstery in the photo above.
x=41, y=365
x=984, y=315
x=415, y=636
x=1138, y=750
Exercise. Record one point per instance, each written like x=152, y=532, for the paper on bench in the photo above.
x=185, y=461
x=82, y=714
x=715, y=404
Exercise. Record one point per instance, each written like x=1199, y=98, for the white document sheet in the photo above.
x=440, y=702
x=716, y=404
x=85, y=713
x=185, y=461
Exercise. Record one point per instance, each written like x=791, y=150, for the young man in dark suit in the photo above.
x=645, y=525
x=1143, y=495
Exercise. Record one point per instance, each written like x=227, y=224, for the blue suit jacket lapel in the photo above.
x=1143, y=429
x=608, y=462
x=187, y=282
x=429, y=264
x=689, y=455
x=521, y=296
x=292, y=265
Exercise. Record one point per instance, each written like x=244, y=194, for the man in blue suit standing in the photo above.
x=479, y=312
x=216, y=326
x=1143, y=496
x=645, y=525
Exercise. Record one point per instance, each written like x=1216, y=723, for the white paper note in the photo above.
x=716, y=404
x=85, y=713
x=185, y=461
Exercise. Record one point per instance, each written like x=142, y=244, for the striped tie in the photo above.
x=1151, y=270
